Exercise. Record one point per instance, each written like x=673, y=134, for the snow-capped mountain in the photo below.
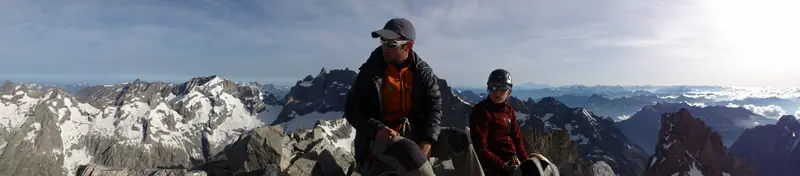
x=164, y=125
x=597, y=137
x=687, y=147
x=730, y=122
x=772, y=149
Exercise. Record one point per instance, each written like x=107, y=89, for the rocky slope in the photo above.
x=772, y=149
x=562, y=151
x=686, y=146
x=642, y=127
x=596, y=137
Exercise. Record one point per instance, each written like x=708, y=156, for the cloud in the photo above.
x=696, y=104
x=769, y=111
x=551, y=42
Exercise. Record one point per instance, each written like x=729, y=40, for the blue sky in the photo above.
x=612, y=42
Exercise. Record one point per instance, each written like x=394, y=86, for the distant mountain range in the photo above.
x=218, y=126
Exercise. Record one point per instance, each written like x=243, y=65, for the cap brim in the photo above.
x=385, y=34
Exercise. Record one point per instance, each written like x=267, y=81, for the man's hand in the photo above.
x=386, y=133
x=426, y=148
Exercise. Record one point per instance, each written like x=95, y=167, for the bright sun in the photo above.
x=763, y=33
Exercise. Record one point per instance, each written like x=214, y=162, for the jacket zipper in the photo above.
x=402, y=93
x=378, y=83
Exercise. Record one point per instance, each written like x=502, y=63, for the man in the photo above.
x=396, y=108
x=497, y=137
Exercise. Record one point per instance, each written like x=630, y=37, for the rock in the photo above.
x=687, y=146
x=254, y=152
x=98, y=170
x=772, y=149
x=455, y=111
x=596, y=138
x=601, y=168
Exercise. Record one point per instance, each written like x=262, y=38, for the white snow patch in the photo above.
x=622, y=117
x=589, y=117
x=547, y=124
x=306, y=84
x=88, y=108
x=170, y=97
x=726, y=174
x=667, y=146
x=214, y=81
x=694, y=171
x=32, y=134
x=547, y=116
x=521, y=116
x=3, y=144
x=307, y=121
x=578, y=138
x=75, y=158
x=653, y=161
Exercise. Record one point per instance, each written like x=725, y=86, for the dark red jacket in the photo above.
x=495, y=134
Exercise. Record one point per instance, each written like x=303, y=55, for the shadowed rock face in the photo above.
x=642, y=127
x=597, y=138
x=686, y=146
x=772, y=149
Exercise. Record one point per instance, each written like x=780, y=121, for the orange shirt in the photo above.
x=396, y=94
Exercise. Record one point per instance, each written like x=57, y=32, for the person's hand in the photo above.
x=510, y=168
x=386, y=133
x=515, y=162
x=426, y=148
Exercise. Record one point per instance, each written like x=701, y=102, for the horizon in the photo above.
x=561, y=43
x=294, y=82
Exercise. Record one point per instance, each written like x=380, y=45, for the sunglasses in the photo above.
x=502, y=88
x=392, y=43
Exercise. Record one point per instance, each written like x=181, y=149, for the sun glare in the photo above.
x=762, y=33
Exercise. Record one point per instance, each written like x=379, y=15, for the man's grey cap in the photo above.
x=396, y=27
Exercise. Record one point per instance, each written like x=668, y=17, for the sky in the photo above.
x=565, y=42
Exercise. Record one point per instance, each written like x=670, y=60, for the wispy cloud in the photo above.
x=553, y=42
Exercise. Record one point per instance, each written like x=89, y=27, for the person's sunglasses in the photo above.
x=393, y=43
x=502, y=88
